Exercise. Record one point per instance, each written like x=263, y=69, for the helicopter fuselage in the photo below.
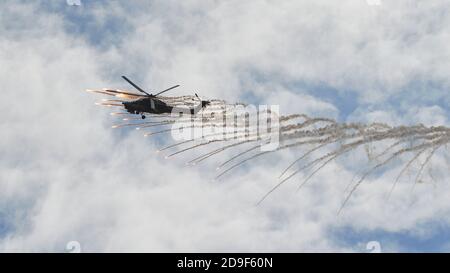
x=152, y=105
x=155, y=106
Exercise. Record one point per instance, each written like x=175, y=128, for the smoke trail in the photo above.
x=296, y=130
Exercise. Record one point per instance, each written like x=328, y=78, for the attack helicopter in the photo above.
x=152, y=104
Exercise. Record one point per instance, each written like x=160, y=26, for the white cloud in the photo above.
x=65, y=175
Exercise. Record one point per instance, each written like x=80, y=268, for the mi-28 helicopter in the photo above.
x=152, y=104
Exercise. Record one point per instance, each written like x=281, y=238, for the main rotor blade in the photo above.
x=175, y=86
x=135, y=86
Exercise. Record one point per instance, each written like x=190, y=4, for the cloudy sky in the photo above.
x=65, y=175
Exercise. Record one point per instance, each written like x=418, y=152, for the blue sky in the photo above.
x=80, y=180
